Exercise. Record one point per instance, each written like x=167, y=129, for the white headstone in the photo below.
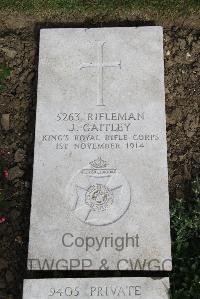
x=100, y=182
x=84, y=288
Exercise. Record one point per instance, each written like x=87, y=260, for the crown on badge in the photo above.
x=98, y=163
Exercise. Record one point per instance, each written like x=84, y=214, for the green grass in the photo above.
x=4, y=73
x=159, y=5
x=185, y=229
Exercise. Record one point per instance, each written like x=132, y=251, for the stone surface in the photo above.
x=19, y=155
x=5, y=121
x=84, y=288
x=100, y=183
x=14, y=173
x=11, y=53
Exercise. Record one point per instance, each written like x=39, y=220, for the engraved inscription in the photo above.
x=101, y=131
x=100, y=65
x=111, y=291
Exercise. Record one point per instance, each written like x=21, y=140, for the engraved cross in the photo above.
x=100, y=65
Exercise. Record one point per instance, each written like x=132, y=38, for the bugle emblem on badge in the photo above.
x=99, y=195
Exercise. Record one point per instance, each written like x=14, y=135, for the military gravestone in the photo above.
x=84, y=288
x=100, y=184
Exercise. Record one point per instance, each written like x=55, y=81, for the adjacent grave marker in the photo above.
x=100, y=184
x=84, y=288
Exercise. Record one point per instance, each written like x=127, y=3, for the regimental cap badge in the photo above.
x=99, y=195
x=99, y=163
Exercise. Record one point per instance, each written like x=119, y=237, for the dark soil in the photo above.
x=19, y=51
